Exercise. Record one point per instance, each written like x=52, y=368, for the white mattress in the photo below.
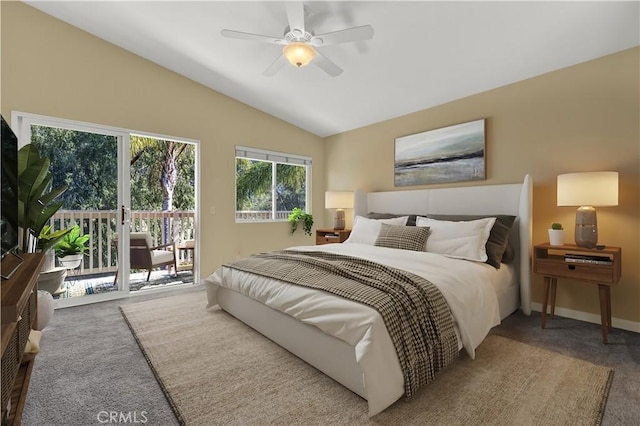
x=468, y=287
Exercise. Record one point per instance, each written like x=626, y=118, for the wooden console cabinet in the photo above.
x=19, y=315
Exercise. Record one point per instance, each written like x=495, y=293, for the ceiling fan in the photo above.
x=300, y=44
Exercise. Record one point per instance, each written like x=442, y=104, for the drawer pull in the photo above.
x=572, y=267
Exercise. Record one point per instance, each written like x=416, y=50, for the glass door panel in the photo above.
x=87, y=163
x=162, y=176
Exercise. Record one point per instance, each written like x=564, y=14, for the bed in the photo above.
x=348, y=341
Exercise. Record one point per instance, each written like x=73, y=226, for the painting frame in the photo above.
x=453, y=153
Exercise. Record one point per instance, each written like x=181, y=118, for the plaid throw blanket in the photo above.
x=414, y=311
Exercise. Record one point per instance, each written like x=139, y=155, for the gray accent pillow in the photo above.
x=410, y=222
x=403, y=237
x=498, y=249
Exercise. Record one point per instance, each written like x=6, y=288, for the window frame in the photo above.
x=273, y=157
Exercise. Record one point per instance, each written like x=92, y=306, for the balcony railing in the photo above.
x=249, y=215
x=177, y=226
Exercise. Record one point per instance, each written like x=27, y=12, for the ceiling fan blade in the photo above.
x=295, y=14
x=364, y=32
x=326, y=65
x=275, y=66
x=252, y=37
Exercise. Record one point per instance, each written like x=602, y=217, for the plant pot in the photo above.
x=49, y=261
x=52, y=281
x=45, y=309
x=71, y=261
x=556, y=237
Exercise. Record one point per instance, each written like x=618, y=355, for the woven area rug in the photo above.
x=217, y=371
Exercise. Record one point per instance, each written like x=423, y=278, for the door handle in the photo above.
x=124, y=214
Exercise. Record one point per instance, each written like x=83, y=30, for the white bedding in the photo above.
x=468, y=288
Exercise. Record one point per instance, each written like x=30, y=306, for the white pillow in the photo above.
x=365, y=231
x=462, y=240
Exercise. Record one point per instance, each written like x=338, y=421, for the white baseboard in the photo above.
x=593, y=318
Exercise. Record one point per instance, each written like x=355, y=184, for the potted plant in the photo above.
x=36, y=206
x=71, y=249
x=36, y=200
x=298, y=215
x=47, y=240
x=556, y=234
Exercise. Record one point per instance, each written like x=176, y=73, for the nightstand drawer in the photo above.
x=331, y=236
x=577, y=271
x=327, y=240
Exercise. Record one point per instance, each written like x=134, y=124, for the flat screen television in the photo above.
x=9, y=200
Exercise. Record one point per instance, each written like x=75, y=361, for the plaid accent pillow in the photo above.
x=403, y=237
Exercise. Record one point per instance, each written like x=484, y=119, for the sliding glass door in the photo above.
x=131, y=202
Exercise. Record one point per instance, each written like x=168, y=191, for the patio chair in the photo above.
x=142, y=255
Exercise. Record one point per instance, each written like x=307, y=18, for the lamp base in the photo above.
x=338, y=220
x=586, y=227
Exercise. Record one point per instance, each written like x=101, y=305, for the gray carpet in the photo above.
x=584, y=341
x=91, y=364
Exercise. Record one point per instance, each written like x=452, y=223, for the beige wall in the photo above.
x=582, y=118
x=54, y=69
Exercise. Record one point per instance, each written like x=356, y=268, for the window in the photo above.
x=269, y=185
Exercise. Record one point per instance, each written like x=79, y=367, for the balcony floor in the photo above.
x=81, y=285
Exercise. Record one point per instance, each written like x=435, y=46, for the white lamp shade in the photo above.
x=338, y=199
x=588, y=189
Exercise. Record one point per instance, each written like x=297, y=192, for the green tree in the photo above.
x=162, y=172
x=169, y=153
x=254, y=185
x=165, y=162
x=146, y=177
x=83, y=161
x=290, y=186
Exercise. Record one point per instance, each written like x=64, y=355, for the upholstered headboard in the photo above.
x=509, y=199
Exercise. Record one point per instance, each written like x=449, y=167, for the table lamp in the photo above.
x=587, y=190
x=338, y=200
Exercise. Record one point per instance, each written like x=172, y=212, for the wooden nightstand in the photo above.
x=330, y=236
x=551, y=262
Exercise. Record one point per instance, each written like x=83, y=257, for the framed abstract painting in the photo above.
x=449, y=154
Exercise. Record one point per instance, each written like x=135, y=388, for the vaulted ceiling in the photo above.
x=422, y=53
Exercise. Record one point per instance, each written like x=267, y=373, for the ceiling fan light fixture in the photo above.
x=299, y=54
